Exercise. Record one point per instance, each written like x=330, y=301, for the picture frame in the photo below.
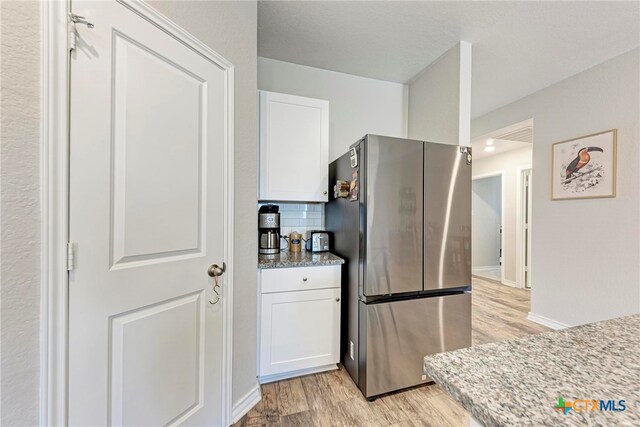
x=584, y=167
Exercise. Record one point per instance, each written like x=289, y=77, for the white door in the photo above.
x=294, y=148
x=147, y=134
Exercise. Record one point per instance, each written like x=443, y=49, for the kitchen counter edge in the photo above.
x=303, y=259
x=555, y=348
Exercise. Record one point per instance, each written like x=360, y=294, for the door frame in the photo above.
x=501, y=174
x=520, y=241
x=54, y=199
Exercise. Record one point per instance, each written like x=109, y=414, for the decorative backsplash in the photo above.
x=300, y=217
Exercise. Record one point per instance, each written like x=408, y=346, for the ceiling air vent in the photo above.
x=522, y=135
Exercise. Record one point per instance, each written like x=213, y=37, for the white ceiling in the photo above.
x=518, y=47
x=517, y=135
x=501, y=146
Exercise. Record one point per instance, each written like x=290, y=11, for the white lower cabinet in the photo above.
x=300, y=329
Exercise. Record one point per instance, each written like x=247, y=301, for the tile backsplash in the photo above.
x=300, y=217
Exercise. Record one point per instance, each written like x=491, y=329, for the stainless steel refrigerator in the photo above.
x=404, y=229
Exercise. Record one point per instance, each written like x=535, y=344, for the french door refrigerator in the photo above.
x=404, y=229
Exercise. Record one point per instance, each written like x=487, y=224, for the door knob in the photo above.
x=216, y=271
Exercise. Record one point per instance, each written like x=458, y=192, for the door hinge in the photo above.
x=71, y=34
x=71, y=256
x=71, y=28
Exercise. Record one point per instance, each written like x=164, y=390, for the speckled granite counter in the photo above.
x=518, y=382
x=303, y=259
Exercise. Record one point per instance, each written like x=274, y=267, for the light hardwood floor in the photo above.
x=332, y=399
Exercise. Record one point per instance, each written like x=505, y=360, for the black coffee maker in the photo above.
x=269, y=229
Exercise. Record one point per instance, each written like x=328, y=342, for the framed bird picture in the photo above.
x=584, y=167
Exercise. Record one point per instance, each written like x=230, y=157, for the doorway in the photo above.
x=501, y=246
x=486, y=225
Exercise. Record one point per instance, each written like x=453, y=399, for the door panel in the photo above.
x=399, y=334
x=146, y=216
x=147, y=389
x=447, y=217
x=393, y=216
x=312, y=340
x=158, y=129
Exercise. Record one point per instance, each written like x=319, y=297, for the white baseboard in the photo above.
x=545, y=321
x=286, y=375
x=485, y=267
x=510, y=283
x=245, y=404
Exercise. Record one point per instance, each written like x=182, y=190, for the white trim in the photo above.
x=54, y=215
x=265, y=379
x=488, y=175
x=545, y=321
x=485, y=268
x=464, y=92
x=159, y=20
x=229, y=234
x=54, y=201
x=510, y=283
x=245, y=404
x=520, y=250
x=501, y=174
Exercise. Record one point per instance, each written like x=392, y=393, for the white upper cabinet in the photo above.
x=294, y=148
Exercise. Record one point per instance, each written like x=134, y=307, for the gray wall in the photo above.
x=585, y=253
x=357, y=105
x=230, y=28
x=486, y=202
x=20, y=213
x=440, y=99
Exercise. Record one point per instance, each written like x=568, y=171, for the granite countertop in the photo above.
x=302, y=259
x=518, y=382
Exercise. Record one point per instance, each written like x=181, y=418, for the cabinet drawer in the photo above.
x=300, y=278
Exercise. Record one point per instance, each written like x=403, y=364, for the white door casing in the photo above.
x=524, y=226
x=149, y=210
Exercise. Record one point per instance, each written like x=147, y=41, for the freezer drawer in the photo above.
x=400, y=333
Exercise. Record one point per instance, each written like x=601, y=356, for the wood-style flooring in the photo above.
x=332, y=399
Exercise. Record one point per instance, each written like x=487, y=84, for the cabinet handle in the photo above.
x=304, y=279
x=338, y=299
x=324, y=192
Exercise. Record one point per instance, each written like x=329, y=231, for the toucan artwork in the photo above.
x=585, y=167
x=581, y=160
